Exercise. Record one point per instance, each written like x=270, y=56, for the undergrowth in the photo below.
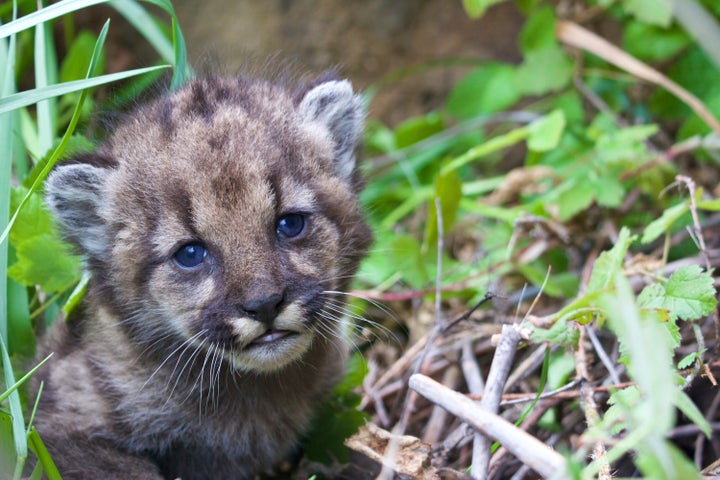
x=579, y=189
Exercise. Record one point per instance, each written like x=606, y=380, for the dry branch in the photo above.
x=531, y=451
x=579, y=37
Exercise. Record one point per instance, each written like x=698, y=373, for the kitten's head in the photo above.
x=222, y=215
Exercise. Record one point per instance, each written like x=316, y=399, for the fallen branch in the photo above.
x=528, y=449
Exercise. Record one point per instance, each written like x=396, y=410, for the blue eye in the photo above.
x=191, y=255
x=290, y=225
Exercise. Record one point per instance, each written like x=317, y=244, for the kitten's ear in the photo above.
x=74, y=193
x=334, y=105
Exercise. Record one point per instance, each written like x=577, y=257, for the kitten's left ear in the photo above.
x=334, y=105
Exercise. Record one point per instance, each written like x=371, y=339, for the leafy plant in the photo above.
x=41, y=274
x=552, y=199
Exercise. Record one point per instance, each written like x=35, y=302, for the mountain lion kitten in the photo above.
x=220, y=224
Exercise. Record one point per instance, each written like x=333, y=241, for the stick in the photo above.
x=579, y=37
x=528, y=449
x=490, y=403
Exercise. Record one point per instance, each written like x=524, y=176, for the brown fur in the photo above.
x=157, y=376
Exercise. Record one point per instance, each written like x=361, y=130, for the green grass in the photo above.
x=593, y=159
x=31, y=126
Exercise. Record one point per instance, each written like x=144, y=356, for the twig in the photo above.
x=438, y=417
x=602, y=354
x=531, y=451
x=391, y=451
x=471, y=369
x=499, y=370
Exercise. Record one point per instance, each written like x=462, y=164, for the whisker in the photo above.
x=184, y=344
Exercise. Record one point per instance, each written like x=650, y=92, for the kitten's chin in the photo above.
x=271, y=351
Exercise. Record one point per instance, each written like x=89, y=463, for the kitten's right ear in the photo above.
x=74, y=193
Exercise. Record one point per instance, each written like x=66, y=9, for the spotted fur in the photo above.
x=212, y=371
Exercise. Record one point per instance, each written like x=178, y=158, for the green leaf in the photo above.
x=651, y=43
x=488, y=89
x=43, y=261
x=688, y=360
x=475, y=8
x=688, y=294
x=77, y=60
x=416, y=129
x=647, y=346
x=560, y=333
x=33, y=219
x=654, y=12
x=609, y=264
x=546, y=132
x=539, y=30
x=325, y=442
x=690, y=410
x=711, y=205
x=574, y=196
x=661, y=460
x=448, y=188
x=355, y=373
x=661, y=225
x=545, y=70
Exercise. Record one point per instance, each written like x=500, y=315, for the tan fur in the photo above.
x=172, y=371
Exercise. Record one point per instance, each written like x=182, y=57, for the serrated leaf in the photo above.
x=558, y=334
x=688, y=360
x=688, y=294
x=661, y=225
x=609, y=263
x=41, y=260
x=33, y=219
x=546, y=132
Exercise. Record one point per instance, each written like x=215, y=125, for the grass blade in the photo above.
x=29, y=97
x=37, y=446
x=18, y=422
x=11, y=388
x=7, y=87
x=45, y=74
x=70, y=129
x=45, y=14
x=146, y=24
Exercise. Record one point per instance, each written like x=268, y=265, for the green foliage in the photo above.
x=592, y=161
x=37, y=128
x=536, y=167
x=688, y=294
x=339, y=418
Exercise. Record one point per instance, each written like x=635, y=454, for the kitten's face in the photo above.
x=226, y=226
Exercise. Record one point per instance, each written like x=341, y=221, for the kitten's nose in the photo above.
x=264, y=310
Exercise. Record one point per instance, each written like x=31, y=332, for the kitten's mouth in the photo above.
x=271, y=336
